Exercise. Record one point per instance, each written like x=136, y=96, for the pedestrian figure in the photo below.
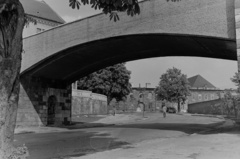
x=140, y=102
x=114, y=110
x=164, y=109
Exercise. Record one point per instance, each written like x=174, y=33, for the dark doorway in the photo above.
x=52, y=101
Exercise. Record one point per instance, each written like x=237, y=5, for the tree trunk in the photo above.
x=235, y=108
x=11, y=27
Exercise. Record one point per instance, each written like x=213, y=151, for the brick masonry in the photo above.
x=33, y=102
x=237, y=21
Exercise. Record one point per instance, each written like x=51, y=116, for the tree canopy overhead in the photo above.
x=173, y=87
x=113, y=81
x=110, y=6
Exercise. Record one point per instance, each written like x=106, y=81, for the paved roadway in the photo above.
x=79, y=142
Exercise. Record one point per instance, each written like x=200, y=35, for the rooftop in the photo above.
x=199, y=82
x=41, y=9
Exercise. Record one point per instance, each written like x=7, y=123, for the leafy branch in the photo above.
x=111, y=7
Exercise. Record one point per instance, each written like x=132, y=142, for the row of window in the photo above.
x=40, y=30
x=203, y=97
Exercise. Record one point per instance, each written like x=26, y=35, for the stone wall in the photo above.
x=201, y=95
x=88, y=103
x=215, y=107
x=33, y=102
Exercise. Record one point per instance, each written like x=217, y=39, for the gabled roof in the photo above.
x=42, y=10
x=199, y=82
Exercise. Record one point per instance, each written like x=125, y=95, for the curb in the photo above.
x=207, y=115
x=71, y=127
x=65, y=128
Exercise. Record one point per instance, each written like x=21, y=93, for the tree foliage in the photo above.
x=110, y=6
x=231, y=104
x=112, y=81
x=173, y=87
x=235, y=79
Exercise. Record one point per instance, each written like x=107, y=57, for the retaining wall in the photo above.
x=88, y=103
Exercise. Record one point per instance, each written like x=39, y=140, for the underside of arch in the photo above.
x=70, y=64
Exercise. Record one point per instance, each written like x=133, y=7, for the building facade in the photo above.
x=44, y=16
x=202, y=90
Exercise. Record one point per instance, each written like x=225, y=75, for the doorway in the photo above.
x=52, y=101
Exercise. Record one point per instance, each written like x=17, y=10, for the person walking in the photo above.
x=164, y=109
x=141, y=102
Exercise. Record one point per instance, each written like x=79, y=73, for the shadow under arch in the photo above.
x=73, y=63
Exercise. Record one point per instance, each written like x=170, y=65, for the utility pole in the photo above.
x=147, y=85
x=148, y=100
x=155, y=98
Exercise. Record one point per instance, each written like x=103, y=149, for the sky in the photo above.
x=216, y=71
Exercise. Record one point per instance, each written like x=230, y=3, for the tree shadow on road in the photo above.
x=60, y=145
x=235, y=129
x=203, y=129
x=186, y=128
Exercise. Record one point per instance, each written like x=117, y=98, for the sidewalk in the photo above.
x=84, y=122
x=42, y=129
x=209, y=115
x=50, y=129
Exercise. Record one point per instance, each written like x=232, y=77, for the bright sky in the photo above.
x=216, y=71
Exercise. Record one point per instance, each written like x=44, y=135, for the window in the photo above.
x=206, y=97
x=150, y=96
x=193, y=97
x=199, y=97
x=212, y=96
x=40, y=30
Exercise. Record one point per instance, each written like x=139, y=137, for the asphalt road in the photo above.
x=55, y=145
x=80, y=142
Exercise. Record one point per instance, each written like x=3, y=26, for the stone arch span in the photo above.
x=72, y=63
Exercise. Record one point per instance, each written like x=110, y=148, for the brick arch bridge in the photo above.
x=55, y=58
